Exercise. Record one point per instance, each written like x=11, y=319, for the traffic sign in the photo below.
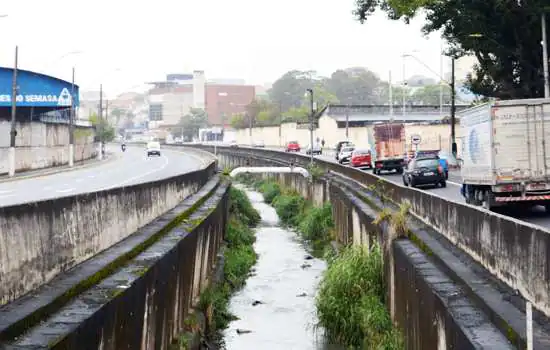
x=415, y=139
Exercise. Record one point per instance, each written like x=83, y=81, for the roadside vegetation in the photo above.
x=239, y=257
x=350, y=301
x=314, y=224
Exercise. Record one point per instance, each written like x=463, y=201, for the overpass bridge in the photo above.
x=121, y=267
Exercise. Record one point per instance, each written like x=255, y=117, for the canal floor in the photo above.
x=276, y=307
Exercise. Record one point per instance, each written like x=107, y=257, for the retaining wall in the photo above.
x=514, y=251
x=432, y=309
x=145, y=302
x=41, y=239
x=42, y=145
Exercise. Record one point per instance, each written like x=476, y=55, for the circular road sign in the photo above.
x=415, y=139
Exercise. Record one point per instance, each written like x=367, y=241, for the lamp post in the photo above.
x=310, y=92
x=71, y=125
x=451, y=84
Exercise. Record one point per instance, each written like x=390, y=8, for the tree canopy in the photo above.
x=103, y=130
x=504, y=36
x=189, y=125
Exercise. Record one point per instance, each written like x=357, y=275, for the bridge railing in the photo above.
x=514, y=251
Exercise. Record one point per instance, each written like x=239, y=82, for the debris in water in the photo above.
x=305, y=266
x=308, y=257
x=243, y=331
x=303, y=294
x=257, y=302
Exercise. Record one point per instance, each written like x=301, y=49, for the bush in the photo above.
x=317, y=223
x=270, y=190
x=350, y=301
x=241, y=208
x=289, y=208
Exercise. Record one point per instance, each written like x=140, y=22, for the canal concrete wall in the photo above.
x=142, y=302
x=514, y=251
x=443, y=307
x=39, y=240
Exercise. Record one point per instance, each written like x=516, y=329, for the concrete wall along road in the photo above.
x=145, y=302
x=513, y=251
x=41, y=239
x=432, y=136
x=41, y=145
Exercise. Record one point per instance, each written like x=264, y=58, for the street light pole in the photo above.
x=99, y=122
x=347, y=122
x=404, y=88
x=545, y=56
x=71, y=126
x=13, y=131
x=310, y=91
x=453, y=108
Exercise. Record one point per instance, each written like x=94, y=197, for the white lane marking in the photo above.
x=91, y=176
x=120, y=184
x=65, y=190
x=6, y=191
x=453, y=183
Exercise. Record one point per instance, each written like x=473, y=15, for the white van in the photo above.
x=153, y=148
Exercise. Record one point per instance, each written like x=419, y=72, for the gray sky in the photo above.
x=124, y=43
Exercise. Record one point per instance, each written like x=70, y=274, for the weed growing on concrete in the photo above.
x=270, y=190
x=315, y=171
x=350, y=301
x=396, y=220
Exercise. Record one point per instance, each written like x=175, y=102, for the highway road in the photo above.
x=128, y=168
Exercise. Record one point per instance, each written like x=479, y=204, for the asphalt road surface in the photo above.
x=128, y=168
x=536, y=215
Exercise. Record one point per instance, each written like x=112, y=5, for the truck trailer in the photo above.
x=389, y=142
x=506, y=147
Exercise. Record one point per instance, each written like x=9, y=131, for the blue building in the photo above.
x=39, y=97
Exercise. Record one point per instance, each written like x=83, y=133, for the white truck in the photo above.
x=505, y=153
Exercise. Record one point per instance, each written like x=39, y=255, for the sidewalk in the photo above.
x=109, y=156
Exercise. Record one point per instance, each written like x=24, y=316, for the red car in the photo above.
x=293, y=146
x=361, y=158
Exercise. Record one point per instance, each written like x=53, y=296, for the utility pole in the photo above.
x=453, y=109
x=100, y=122
x=310, y=91
x=404, y=88
x=13, y=131
x=71, y=126
x=347, y=122
x=440, y=82
x=280, y=122
x=390, y=98
x=545, y=56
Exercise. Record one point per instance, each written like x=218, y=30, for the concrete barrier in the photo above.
x=514, y=251
x=41, y=239
x=145, y=301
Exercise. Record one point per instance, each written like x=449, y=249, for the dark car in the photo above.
x=424, y=171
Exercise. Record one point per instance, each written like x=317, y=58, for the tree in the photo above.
x=504, y=36
x=103, y=130
x=189, y=124
x=429, y=95
x=239, y=121
x=354, y=85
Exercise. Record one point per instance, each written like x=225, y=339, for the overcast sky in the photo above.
x=123, y=43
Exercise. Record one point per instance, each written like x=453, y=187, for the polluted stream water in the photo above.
x=276, y=307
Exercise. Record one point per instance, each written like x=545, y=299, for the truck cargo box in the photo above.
x=505, y=141
x=389, y=141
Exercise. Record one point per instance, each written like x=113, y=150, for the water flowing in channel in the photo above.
x=276, y=307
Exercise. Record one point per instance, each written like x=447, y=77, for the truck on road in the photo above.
x=389, y=143
x=506, y=147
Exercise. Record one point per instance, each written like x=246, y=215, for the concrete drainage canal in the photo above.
x=276, y=307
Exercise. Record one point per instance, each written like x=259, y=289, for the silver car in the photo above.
x=316, y=149
x=345, y=154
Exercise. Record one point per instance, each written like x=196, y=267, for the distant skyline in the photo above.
x=124, y=43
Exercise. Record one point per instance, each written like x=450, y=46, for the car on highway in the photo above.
x=361, y=158
x=293, y=146
x=259, y=144
x=345, y=154
x=435, y=153
x=424, y=171
x=316, y=149
x=340, y=145
x=153, y=148
x=233, y=144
